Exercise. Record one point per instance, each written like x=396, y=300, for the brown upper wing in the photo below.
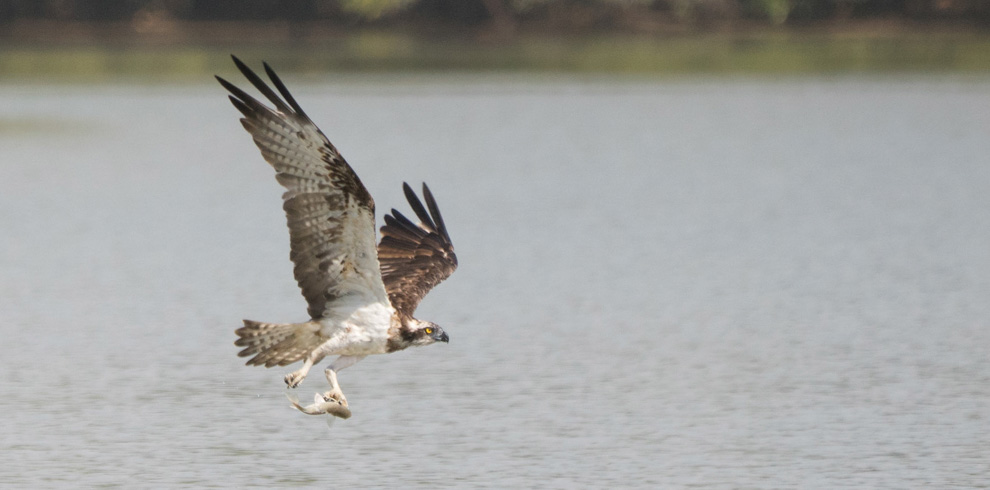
x=330, y=214
x=414, y=257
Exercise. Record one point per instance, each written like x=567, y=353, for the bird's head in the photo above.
x=426, y=333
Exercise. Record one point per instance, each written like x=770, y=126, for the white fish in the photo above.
x=321, y=405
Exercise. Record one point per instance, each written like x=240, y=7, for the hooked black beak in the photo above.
x=444, y=338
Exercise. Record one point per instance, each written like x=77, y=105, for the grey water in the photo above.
x=717, y=283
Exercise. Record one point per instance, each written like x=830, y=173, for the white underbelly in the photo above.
x=357, y=331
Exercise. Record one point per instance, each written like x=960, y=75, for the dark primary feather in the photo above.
x=329, y=212
x=414, y=257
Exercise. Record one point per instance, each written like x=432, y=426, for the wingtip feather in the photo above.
x=282, y=89
x=417, y=206
x=431, y=203
x=240, y=64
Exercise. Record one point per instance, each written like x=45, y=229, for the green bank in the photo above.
x=710, y=54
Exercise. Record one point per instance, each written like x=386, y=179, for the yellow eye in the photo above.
x=429, y=330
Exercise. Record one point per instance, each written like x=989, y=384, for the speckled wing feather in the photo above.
x=414, y=257
x=331, y=216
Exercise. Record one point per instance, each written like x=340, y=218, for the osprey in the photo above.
x=361, y=298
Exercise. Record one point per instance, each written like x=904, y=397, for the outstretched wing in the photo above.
x=414, y=257
x=331, y=216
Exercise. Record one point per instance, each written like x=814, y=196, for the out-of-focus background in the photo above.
x=716, y=243
x=184, y=39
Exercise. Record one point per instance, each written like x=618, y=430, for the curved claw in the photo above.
x=293, y=379
x=336, y=396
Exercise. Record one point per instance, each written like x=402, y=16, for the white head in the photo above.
x=424, y=333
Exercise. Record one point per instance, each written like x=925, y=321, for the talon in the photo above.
x=335, y=396
x=293, y=380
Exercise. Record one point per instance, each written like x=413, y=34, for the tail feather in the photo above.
x=277, y=344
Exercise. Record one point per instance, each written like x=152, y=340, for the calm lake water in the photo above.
x=736, y=283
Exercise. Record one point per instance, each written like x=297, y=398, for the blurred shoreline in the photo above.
x=178, y=51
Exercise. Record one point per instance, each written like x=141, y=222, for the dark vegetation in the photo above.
x=506, y=18
x=189, y=39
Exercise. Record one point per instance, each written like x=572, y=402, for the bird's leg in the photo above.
x=340, y=363
x=335, y=393
x=295, y=377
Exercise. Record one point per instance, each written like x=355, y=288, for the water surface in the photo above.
x=734, y=283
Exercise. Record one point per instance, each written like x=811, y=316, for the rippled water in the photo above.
x=714, y=283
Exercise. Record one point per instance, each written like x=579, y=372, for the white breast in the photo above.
x=356, y=328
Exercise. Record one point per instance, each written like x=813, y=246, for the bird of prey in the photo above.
x=361, y=297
